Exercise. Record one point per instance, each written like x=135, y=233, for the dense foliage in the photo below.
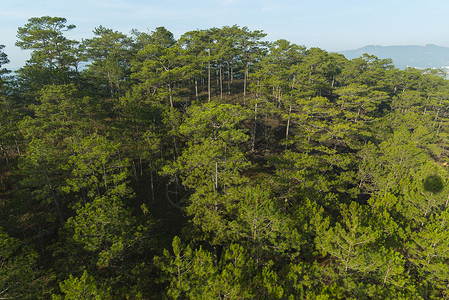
x=218, y=166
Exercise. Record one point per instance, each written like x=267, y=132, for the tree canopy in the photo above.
x=218, y=166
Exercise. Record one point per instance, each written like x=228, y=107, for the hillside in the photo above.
x=218, y=166
x=422, y=56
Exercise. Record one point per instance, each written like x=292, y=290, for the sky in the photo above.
x=330, y=25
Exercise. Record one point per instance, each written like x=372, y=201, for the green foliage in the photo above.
x=158, y=68
x=81, y=288
x=192, y=274
x=109, y=54
x=97, y=168
x=289, y=173
x=17, y=269
x=213, y=158
x=427, y=253
x=103, y=226
x=357, y=255
x=187, y=272
x=3, y=60
x=54, y=56
x=260, y=224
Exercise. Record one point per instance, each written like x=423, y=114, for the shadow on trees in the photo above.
x=433, y=184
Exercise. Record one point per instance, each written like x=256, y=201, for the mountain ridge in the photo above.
x=403, y=56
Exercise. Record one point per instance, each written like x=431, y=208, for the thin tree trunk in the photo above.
x=17, y=147
x=196, y=89
x=141, y=167
x=255, y=128
x=221, y=83
x=152, y=185
x=217, y=76
x=170, y=93
x=288, y=127
x=208, y=76
x=229, y=79
x=111, y=86
x=245, y=78
x=266, y=127
x=216, y=175
x=135, y=171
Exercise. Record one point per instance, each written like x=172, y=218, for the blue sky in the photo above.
x=331, y=25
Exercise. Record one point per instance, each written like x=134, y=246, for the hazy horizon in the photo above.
x=332, y=26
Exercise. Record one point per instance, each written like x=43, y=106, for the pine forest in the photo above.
x=218, y=166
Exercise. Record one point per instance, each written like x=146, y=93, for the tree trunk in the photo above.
x=135, y=171
x=216, y=176
x=288, y=127
x=17, y=147
x=221, y=83
x=170, y=93
x=208, y=76
x=111, y=86
x=152, y=185
x=196, y=89
x=266, y=128
x=217, y=76
x=255, y=128
x=229, y=79
x=245, y=78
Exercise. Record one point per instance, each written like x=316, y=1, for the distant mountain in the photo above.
x=423, y=56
